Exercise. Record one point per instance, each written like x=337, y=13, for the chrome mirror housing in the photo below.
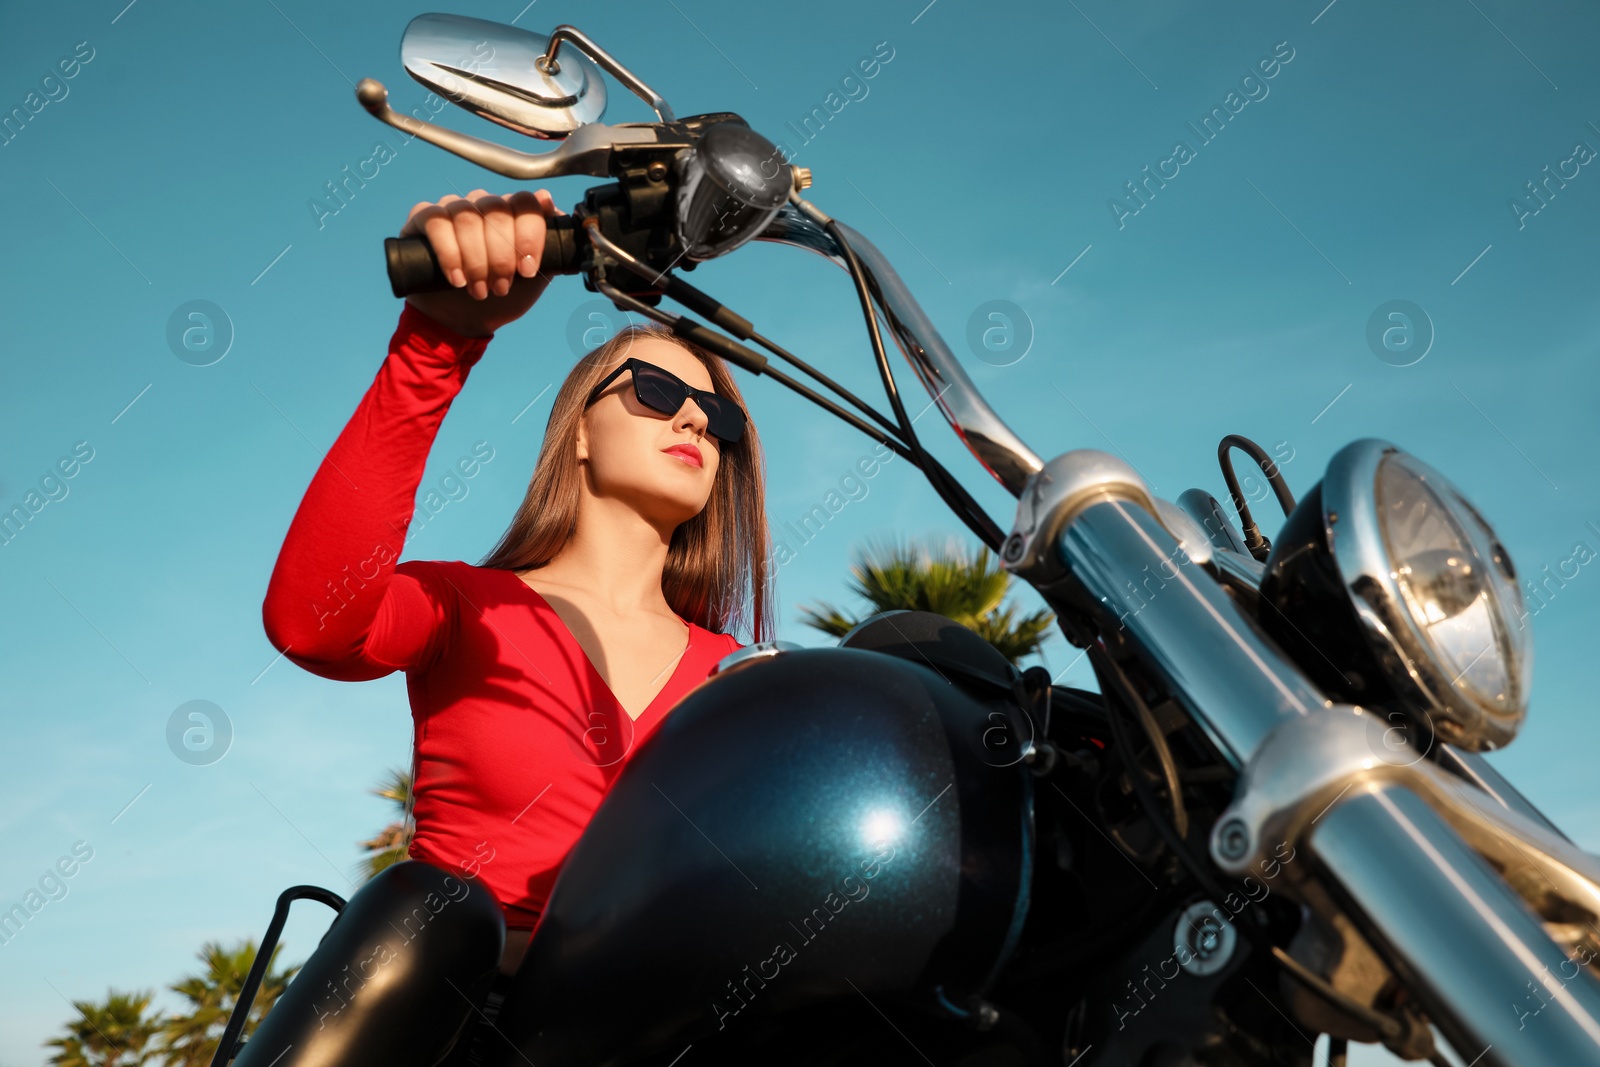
x=499, y=72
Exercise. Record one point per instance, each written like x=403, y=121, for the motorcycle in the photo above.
x=1273, y=822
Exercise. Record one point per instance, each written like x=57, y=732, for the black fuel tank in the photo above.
x=822, y=823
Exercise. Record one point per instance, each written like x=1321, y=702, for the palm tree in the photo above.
x=390, y=846
x=115, y=1033
x=191, y=1039
x=949, y=581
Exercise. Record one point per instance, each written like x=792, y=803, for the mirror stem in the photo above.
x=547, y=64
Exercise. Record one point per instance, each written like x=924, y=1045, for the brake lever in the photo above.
x=586, y=151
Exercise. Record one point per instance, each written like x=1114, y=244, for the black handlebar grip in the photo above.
x=413, y=268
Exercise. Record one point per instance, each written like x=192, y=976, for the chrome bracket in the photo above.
x=1305, y=766
x=1054, y=495
x=1310, y=763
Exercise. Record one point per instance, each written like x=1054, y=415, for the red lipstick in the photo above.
x=686, y=452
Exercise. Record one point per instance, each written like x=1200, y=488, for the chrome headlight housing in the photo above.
x=1431, y=616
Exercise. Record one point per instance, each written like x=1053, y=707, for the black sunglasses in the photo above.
x=665, y=392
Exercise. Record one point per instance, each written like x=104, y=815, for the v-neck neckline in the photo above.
x=599, y=679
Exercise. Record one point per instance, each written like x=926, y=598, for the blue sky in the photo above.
x=1378, y=162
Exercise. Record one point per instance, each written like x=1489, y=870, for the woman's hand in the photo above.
x=489, y=248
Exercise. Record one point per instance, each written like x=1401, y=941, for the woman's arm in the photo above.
x=335, y=604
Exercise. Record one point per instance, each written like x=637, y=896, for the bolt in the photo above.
x=657, y=171
x=1012, y=550
x=1233, y=840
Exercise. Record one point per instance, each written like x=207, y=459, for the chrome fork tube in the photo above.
x=1188, y=631
x=1505, y=996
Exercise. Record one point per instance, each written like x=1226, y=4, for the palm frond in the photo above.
x=828, y=619
x=966, y=587
x=191, y=1038
x=393, y=842
x=115, y=1032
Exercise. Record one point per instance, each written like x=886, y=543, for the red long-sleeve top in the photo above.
x=517, y=738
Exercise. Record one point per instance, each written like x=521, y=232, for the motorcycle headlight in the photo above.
x=1388, y=586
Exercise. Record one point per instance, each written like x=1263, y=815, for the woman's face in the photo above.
x=635, y=454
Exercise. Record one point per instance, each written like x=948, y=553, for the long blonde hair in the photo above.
x=716, y=569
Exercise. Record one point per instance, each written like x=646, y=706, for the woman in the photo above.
x=532, y=678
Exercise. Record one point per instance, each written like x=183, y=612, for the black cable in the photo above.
x=1274, y=475
x=949, y=490
x=858, y=277
x=931, y=467
x=756, y=365
x=822, y=379
x=751, y=361
x=966, y=508
x=1114, y=681
x=1169, y=767
x=880, y=354
x=952, y=492
x=834, y=409
x=1259, y=546
x=930, y=462
x=723, y=317
x=901, y=334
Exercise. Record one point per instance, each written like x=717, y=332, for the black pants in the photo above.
x=398, y=979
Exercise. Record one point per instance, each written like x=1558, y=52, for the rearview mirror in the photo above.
x=497, y=71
